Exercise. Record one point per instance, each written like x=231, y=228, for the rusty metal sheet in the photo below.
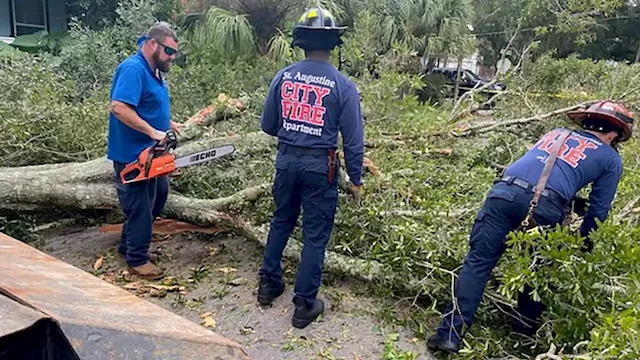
x=101, y=320
x=16, y=317
x=26, y=333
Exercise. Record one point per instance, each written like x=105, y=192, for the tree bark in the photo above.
x=91, y=185
x=457, y=87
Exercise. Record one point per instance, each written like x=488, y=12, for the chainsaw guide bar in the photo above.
x=204, y=156
x=158, y=160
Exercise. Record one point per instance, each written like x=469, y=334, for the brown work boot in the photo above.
x=147, y=271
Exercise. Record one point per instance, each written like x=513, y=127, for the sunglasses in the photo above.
x=167, y=49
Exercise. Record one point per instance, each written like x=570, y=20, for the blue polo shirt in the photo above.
x=134, y=83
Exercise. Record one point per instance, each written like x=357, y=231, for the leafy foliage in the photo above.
x=41, y=119
x=233, y=31
x=418, y=213
x=564, y=25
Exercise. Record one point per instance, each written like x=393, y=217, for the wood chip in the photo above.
x=207, y=314
x=98, y=263
x=131, y=286
x=227, y=270
x=238, y=281
x=209, y=322
x=169, y=280
x=158, y=293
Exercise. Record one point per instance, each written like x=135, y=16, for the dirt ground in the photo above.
x=212, y=281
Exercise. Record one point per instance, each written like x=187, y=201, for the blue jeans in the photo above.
x=301, y=181
x=141, y=203
x=504, y=209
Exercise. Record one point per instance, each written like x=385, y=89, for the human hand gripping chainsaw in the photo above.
x=159, y=159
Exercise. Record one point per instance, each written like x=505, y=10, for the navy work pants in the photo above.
x=504, y=209
x=301, y=181
x=141, y=203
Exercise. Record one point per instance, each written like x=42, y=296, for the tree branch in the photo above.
x=491, y=126
x=474, y=91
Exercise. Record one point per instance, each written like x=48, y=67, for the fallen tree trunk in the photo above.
x=101, y=169
x=90, y=185
x=46, y=196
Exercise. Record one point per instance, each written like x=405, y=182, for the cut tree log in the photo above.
x=223, y=108
x=90, y=185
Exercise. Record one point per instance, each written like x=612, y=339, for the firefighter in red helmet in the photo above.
x=582, y=157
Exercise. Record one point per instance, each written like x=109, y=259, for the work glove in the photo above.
x=587, y=245
x=580, y=206
x=356, y=192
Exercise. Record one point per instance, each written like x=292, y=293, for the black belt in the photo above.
x=329, y=153
x=548, y=193
x=285, y=148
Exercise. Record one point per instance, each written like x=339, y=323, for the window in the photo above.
x=29, y=16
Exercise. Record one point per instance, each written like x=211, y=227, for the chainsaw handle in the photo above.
x=165, y=145
x=160, y=147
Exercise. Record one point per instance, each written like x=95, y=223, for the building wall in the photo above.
x=470, y=63
x=57, y=15
x=5, y=20
x=56, y=12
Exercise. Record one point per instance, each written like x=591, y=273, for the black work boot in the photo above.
x=435, y=343
x=525, y=327
x=269, y=291
x=304, y=315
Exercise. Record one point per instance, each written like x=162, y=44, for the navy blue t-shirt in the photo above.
x=308, y=103
x=135, y=84
x=583, y=159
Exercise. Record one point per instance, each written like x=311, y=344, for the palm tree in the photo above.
x=245, y=26
x=413, y=23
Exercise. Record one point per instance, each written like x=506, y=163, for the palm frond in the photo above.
x=233, y=32
x=279, y=47
x=415, y=43
x=429, y=12
x=390, y=31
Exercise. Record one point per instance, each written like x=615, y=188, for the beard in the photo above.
x=164, y=66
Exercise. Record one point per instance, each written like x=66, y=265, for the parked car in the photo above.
x=468, y=80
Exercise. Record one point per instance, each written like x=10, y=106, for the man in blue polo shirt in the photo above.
x=588, y=156
x=139, y=115
x=307, y=105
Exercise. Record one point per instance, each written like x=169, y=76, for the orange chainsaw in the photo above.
x=158, y=159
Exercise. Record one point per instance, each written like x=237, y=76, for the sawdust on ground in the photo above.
x=212, y=281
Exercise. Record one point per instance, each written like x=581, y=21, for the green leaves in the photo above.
x=280, y=47
x=582, y=292
x=233, y=32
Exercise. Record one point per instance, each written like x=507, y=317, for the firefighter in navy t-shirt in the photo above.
x=587, y=156
x=307, y=105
